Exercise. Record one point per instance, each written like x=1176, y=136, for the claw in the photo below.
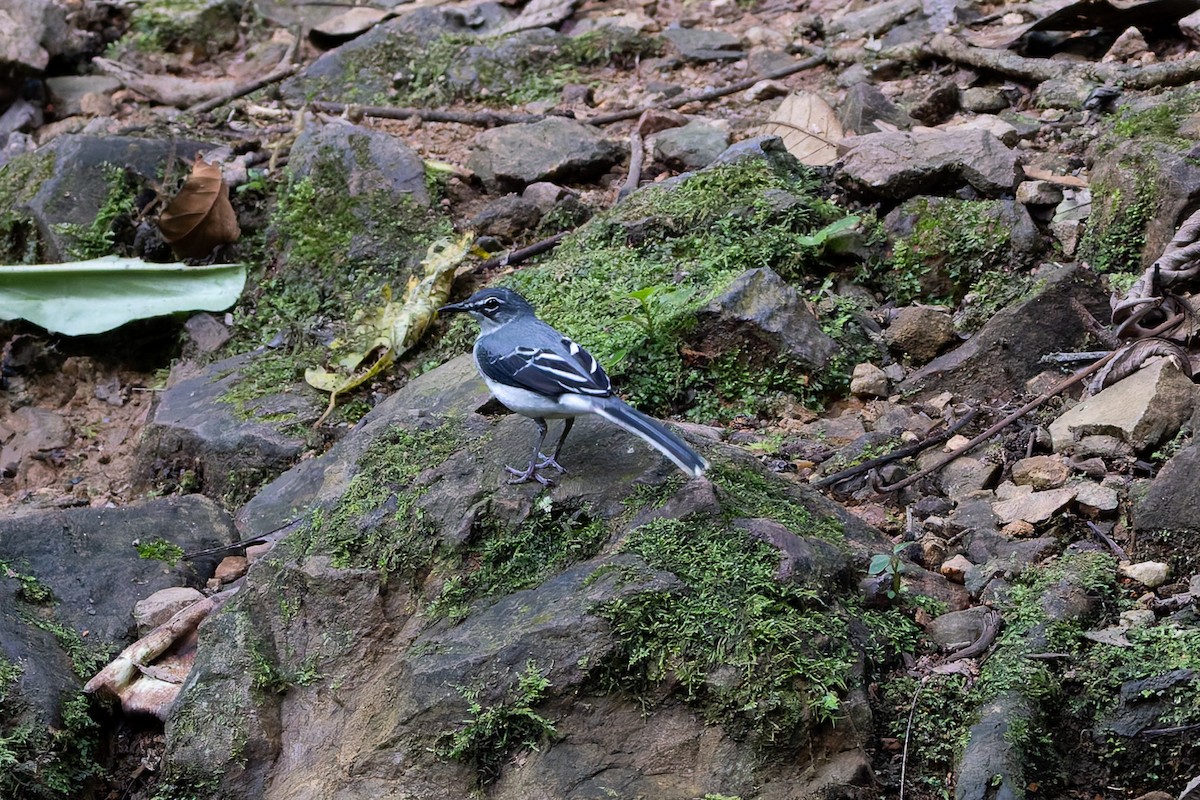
x=548, y=461
x=528, y=474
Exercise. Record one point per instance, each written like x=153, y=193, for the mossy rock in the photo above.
x=627, y=285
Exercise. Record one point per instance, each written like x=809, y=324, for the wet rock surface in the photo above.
x=800, y=307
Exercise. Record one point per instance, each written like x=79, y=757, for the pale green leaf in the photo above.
x=94, y=296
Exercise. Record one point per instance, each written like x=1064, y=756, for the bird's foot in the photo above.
x=528, y=474
x=548, y=461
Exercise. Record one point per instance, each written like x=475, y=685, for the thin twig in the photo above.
x=484, y=119
x=1016, y=415
x=711, y=94
x=636, y=156
x=269, y=536
x=284, y=69
x=912, y=712
x=903, y=452
x=1116, y=549
x=522, y=254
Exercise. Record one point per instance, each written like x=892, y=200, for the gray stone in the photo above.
x=86, y=560
x=957, y=629
x=1096, y=500
x=33, y=31
x=1143, y=703
x=511, y=157
x=871, y=20
x=387, y=693
x=997, y=126
x=1144, y=409
x=966, y=474
x=1012, y=240
x=1151, y=574
x=1039, y=193
x=1006, y=351
x=1170, y=502
x=766, y=60
x=1034, y=507
x=701, y=44
x=545, y=195
x=34, y=433
x=868, y=380
x=921, y=333
x=691, y=146
x=206, y=332
x=864, y=105
x=157, y=608
x=896, y=165
x=78, y=185
x=1137, y=171
x=762, y=310
x=68, y=91
x=803, y=560
x=364, y=69
x=207, y=26
x=230, y=450
x=372, y=160
x=1040, y=472
x=983, y=99
x=992, y=765
x=933, y=100
x=508, y=218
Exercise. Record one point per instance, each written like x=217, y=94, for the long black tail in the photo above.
x=655, y=435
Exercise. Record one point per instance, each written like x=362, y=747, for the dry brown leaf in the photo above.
x=809, y=127
x=200, y=217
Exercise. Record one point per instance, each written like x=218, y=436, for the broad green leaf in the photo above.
x=83, y=297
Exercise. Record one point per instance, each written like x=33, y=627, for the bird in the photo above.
x=540, y=373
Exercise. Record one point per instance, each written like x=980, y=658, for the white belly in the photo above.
x=531, y=404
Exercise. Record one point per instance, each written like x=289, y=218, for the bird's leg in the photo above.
x=552, y=461
x=531, y=472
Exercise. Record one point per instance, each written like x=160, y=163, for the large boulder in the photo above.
x=378, y=659
x=69, y=581
x=1006, y=352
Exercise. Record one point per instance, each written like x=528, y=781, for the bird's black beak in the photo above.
x=452, y=307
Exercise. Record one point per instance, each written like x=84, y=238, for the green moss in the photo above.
x=507, y=70
x=99, y=237
x=319, y=275
x=20, y=179
x=952, y=243
x=1116, y=231
x=497, y=728
x=171, y=25
x=992, y=291
x=749, y=493
x=161, y=550
x=763, y=656
x=1160, y=121
x=335, y=257
x=501, y=561
x=50, y=762
x=930, y=716
x=376, y=523
x=271, y=372
x=695, y=235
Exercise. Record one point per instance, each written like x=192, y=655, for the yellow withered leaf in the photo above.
x=388, y=331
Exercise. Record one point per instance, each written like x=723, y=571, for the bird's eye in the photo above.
x=491, y=304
